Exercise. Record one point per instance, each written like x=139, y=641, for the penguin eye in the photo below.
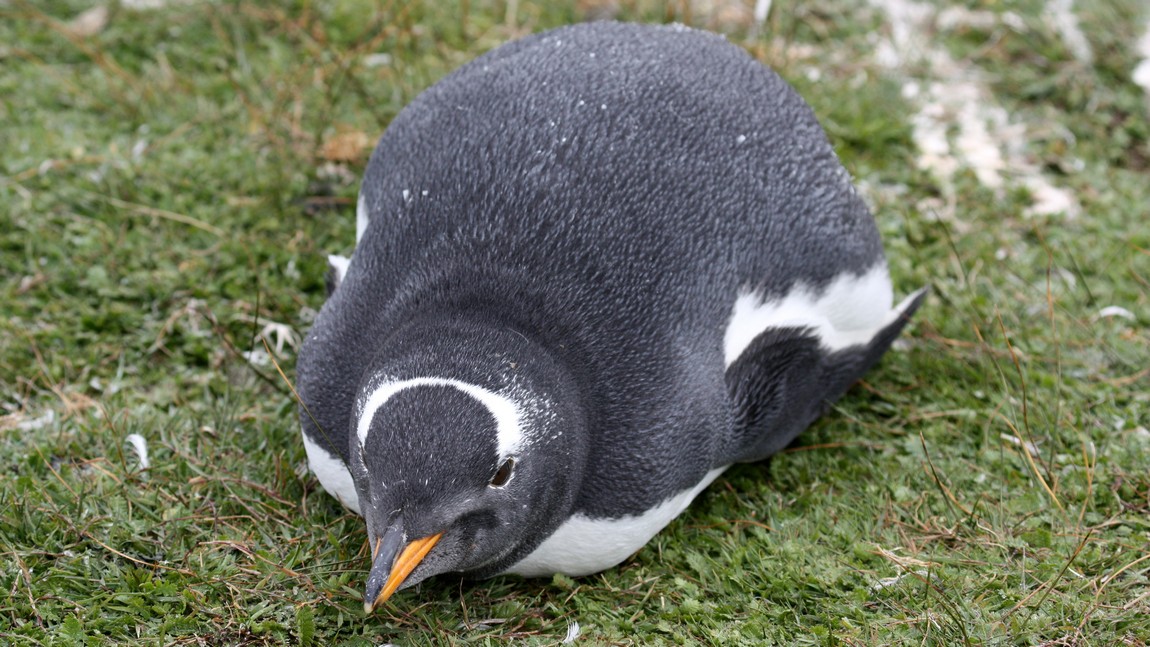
x=503, y=474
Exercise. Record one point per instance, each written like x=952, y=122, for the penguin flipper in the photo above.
x=787, y=378
x=336, y=264
x=336, y=270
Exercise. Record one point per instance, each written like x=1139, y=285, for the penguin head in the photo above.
x=466, y=467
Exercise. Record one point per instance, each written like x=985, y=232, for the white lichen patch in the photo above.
x=1060, y=14
x=1141, y=74
x=959, y=124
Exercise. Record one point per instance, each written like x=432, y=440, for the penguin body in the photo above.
x=594, y=268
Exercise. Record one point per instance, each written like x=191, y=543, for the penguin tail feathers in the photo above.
x=788, y=378
x=845, y=367
x=841, y=369
x=901, y=315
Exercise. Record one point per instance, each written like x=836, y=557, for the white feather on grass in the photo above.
x=572, y=632
x=1115, y=311
x=141, y=447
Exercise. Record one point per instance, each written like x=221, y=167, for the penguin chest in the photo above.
x=332, y=473
x=583, y=545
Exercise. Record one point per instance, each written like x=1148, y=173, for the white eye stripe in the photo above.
x=505, y=411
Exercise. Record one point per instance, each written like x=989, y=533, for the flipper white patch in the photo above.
x=848, y=312
x=360, y=217
x=333, y=475
x=505, y=410
x=339, y=264
x=583, y=545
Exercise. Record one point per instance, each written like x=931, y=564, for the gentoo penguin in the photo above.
x=593, y=268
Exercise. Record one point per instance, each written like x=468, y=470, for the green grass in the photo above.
x=166, y=190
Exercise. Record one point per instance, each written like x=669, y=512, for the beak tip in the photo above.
x=386, y=577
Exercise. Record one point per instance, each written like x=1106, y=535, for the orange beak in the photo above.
x=405, y=563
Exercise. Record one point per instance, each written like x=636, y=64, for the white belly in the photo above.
x=333, y=475
x=583, y=545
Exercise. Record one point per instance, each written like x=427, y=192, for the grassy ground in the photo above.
x=171, y=181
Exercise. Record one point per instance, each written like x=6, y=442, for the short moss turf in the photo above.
x=169, y=187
